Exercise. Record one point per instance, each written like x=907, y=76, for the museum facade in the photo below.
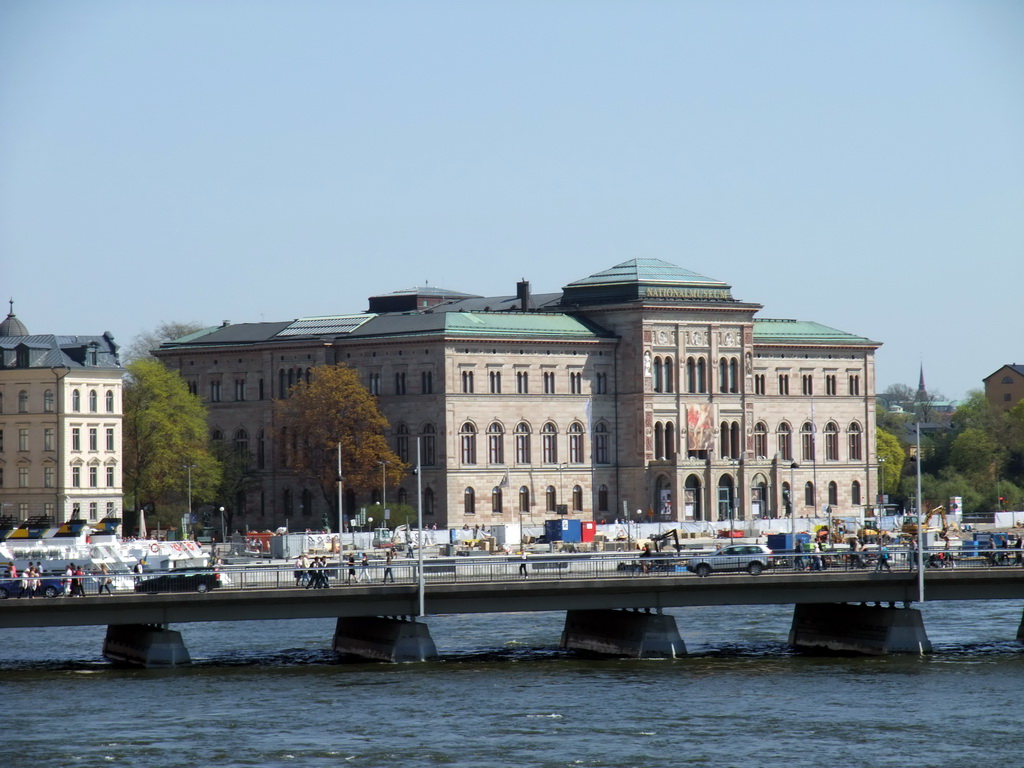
x=645, y=390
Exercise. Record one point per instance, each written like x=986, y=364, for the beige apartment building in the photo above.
x=60, y=425
x=645, y=390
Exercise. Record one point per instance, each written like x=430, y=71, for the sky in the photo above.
x=859, y=164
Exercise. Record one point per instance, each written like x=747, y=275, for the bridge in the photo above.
x=613, y=605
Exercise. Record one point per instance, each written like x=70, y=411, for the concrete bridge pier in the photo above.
x=632, y=634
x=870, y=630
x=145, y=645
x=384, y=638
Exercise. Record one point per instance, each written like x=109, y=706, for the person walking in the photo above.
x=105, y=580
x=364, y=568
x=912, y=554
x=351, y=568
x=522, y=565
x=387, y=566
x=883, y=559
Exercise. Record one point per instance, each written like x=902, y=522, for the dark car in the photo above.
x=179, y=582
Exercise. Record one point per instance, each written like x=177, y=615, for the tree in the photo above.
x=891, y=458
x=332, y=407
x=236, y=480
x=141, y=346
x=164, y=435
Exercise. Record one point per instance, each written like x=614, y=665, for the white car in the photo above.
x=752, y=558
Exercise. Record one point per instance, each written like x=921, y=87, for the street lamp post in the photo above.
x=223, y=528
x=792, y=496
x=184, y=527
x=59, y=398
x=383, y=487
x=920, y=523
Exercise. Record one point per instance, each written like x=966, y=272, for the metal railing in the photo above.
x=510, y=568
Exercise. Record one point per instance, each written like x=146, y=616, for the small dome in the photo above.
x=12, y=326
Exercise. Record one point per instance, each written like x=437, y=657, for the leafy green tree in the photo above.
x=237, y=479
x=975, y=455
x=164, y=435
x=892, y=457
x=334, y=407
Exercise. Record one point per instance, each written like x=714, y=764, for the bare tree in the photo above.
x=143, y=344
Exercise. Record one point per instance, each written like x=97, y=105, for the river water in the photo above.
x=503, y=694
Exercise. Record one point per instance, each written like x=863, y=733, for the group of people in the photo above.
x=30, y=578
x=311, y=572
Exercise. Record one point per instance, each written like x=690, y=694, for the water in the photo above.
x=503, y=694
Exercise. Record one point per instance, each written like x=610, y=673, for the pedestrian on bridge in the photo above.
x=364, y=568
x=351, y=568
x=883, y=559
x=387, y=566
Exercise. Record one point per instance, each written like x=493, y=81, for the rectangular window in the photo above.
x=23, y=477
x=48, y=477
x=399, y=383
x=427, y=382
x=48, y=438
x=92, y=510
x=783, y=383
x=76, y=477
x=576, y=383
x=374, y=384
x=549, y=382
x=759, y=384
x=76, y=439
x=110, y=438
x=110, y=508
x=93, y=477
x=23, y=439
x=807, y=384
x=601, y=383
x=467, y=382
x=854, y=385
x=830, y=385
x=494, y=380
x=1, y=441
x=214, y=391
x=239, y=389
x=93, y=439
x=110, y=477
x=522, y=382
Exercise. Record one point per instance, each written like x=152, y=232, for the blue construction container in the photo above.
x=553, y=530
x=572, y=531
x=787, y=542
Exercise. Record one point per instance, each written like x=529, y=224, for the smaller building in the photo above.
x=60, y=424
x=1005, y=388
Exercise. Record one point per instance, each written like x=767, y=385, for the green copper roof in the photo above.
x=645, y=279
x=804, y=332
x=515, y=324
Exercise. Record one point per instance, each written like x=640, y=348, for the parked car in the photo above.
x=48, y=587
x=180, y=582
x=752, y=558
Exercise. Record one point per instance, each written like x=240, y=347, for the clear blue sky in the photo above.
x=860, y=164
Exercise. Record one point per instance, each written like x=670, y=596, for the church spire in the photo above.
x=922, y=391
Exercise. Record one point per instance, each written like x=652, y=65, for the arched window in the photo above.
x=402, y=443
x=670, y=440
x=428, y=501
x=468, y=436
x=241, y=442
x=470, y=501
x=668, y=376
x=734, y=375
x=855, y=493
x=261, y=449
x=691, y=375
x=110, y=401
x=577, y=498
x=785, y=434
x=602, y=499
x=551, y=498
x=524, y=500
x=807, y=441
x=833, y=494
x=831, y=441
x=94, y=402
x=659, y=441
x=601, y=443
x=23, y=401
x=495, y=444
x=734, y=440
x=809, y=494
x=403, y=496
x=428, y=445
x=549, y=443
x=307, y=503
x=761, y=440
x=856, y=453
x=76, y=401
x=48, y=401
x=702, y=375
x=657, y=374
x=282, y=383
x=724, y=440
x=522, y=443
x=496, y=500
x=575, y=443
x=723, y=375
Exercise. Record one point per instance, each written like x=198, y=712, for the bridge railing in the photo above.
x=511, y=568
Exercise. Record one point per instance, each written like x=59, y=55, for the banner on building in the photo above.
x=700, y=430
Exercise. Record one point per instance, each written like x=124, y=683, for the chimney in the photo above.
x=523, y=294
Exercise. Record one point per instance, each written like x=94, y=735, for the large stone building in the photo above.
x=1005, y=388
x=60, y=424
x=645, y=388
